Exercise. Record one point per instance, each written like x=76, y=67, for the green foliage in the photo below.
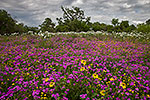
x=62, y=28
x=74, y=20
x=20, y=28
x=7, y=23
x=115, y=22
x=124, y=25
x=96, y=26
x=47, y=25
x=144, y=28
x=148, y=22
x=33, y=29
x=109, y=28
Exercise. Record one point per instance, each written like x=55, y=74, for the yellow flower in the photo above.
x=27, y=73
x=102, y=92
x=104, y=71
x=89, y=67
x=51, y=84
x=111, y=79
x=83, y=62
x=95, y=75
x=100, y=79
x=123, y=85
x=82, y=69
x=46, y=79
x=148, y=95
x=13, y=83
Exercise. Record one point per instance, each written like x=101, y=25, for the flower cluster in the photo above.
x=66, y=67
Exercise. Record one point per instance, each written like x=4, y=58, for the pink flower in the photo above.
x=68, y=81
x=87, y=98
x=83, y=95
x=64, y=98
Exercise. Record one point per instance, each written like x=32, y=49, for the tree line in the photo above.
x=73, y=19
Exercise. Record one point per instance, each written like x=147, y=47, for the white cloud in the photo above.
x=144, y=2
x=137, y=22
x=33, y=12
x=125, y=5
x=77, y=2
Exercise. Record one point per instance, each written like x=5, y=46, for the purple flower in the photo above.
x=55, y=95
x=87, y=98
x=25, y=98
x=132, y=83
x=127, y=93
x=68, y=81
x=118, y=98
x=67, y=89
x=64, y=66
x=64, y=98
x=137, y=89
x=83, y=95
x=128, y=99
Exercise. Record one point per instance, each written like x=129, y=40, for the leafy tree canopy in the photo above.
x=7, y=23
x=148, y=22
x=47, y=25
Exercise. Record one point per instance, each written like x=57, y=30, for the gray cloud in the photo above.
x=33, y=12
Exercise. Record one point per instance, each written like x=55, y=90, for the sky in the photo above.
x=33, y=12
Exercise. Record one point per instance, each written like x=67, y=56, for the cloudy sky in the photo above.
x=33, y=12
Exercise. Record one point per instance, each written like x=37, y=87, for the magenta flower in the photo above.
x=64, y=98
x=68, y=81
x=83, y=96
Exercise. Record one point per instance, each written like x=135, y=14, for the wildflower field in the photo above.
x=74, y=67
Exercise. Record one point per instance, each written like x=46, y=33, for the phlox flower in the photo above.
x=83, y=95
x=68, y=81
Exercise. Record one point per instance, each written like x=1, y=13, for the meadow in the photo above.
x=74, y=66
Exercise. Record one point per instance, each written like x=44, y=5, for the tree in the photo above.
x=62, y=28
x=47, y=25
x=7, y=23
x=109, y=28
x=148, y=22
x=115, y=22
x=144, y=28
x=103, y=27
x=20, y=28
x=124, y=25
x=74, y=19
x=130, y=28
x=33, y=29
x=96, y=26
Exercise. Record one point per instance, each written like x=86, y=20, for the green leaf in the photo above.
x=94, y=94
x=87, y=91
